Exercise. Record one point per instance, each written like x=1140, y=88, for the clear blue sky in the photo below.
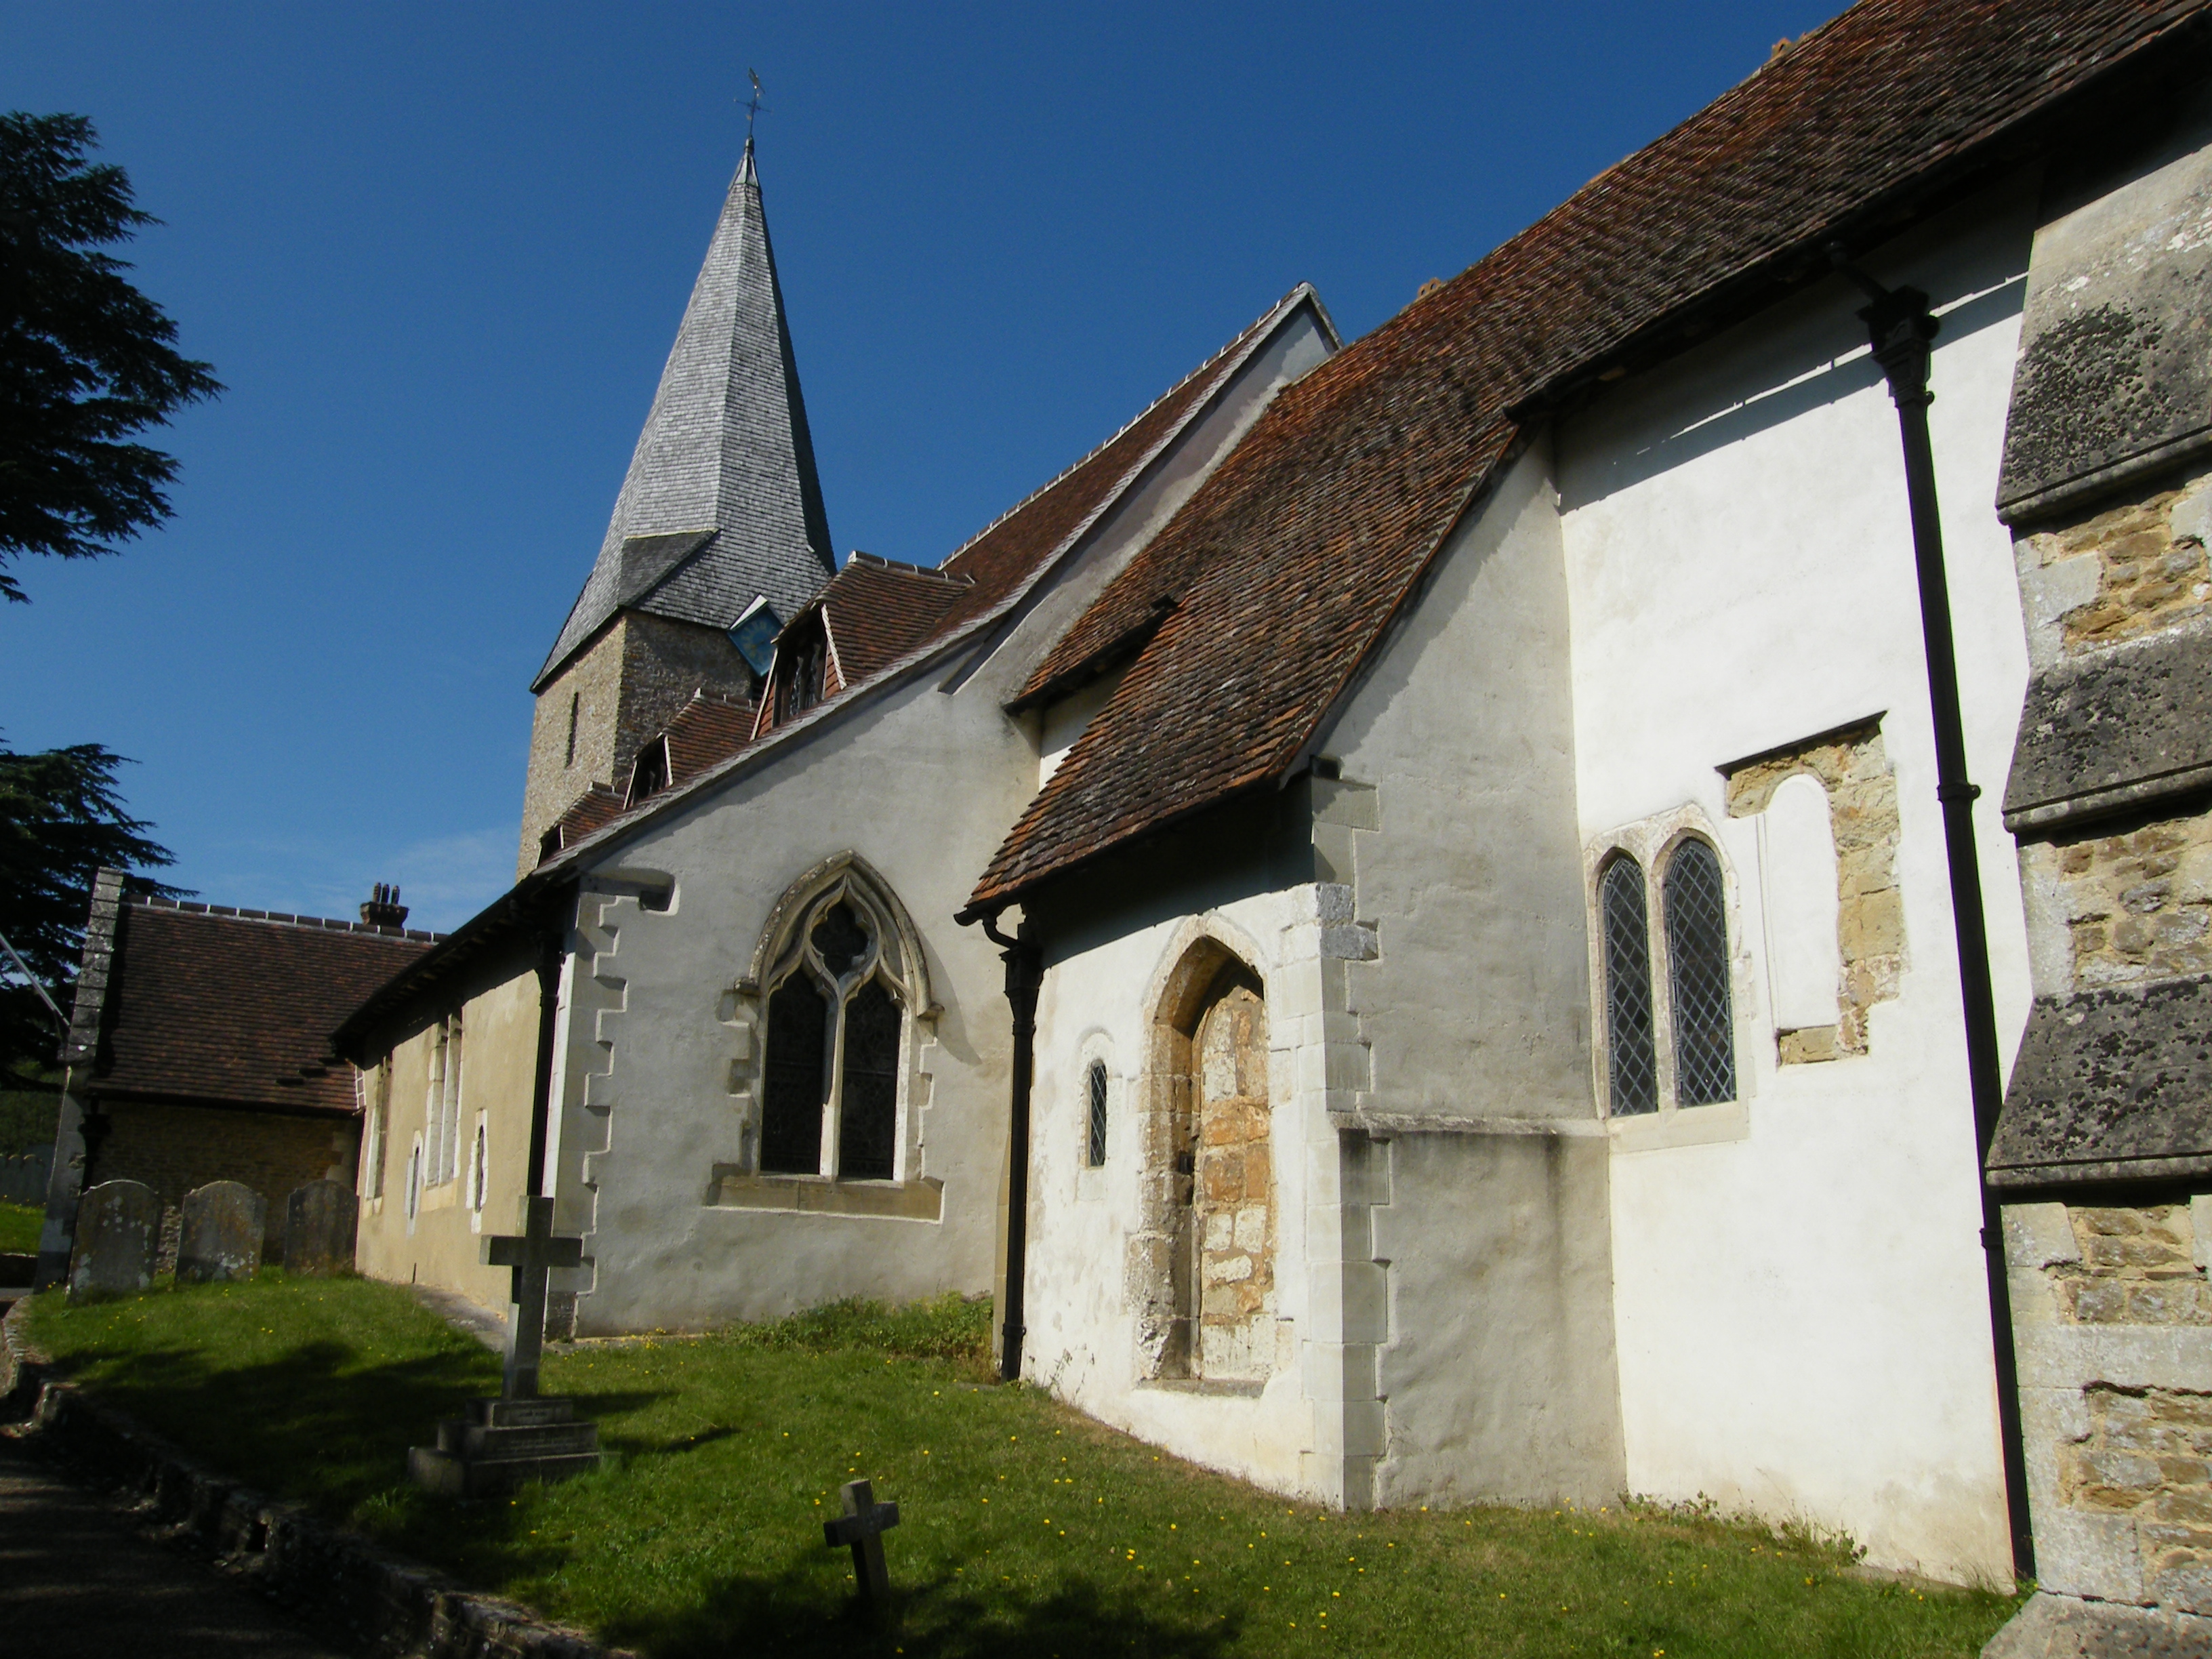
x=437, y=253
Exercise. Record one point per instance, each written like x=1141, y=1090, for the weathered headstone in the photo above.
x=221, y=1238
x=118, y=1223
x=319, y=1219
x=862, y=1527
x=519, y=1436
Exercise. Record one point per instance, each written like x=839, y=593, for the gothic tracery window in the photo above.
x=837, y=1004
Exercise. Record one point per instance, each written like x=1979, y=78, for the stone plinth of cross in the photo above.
x=863, y=1526
x=532, y=1256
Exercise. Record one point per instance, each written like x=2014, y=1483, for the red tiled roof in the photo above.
x=239, y=1007
x=707, y=729
x=596, y=808
x=1289, y=563
x=878, y=609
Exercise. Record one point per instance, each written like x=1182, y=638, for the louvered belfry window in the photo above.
x=836, y=1028
x=1697, y=976
x=1096, y=1080
x=1632, y=1058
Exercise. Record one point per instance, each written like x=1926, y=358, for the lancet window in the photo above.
x=1698, y=977
x=442, y=1109
x=1632, y=1057
x=1095, y=1081
x=838, y=1002
x=1669, y=1014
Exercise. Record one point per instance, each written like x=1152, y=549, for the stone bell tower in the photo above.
x=719, y=533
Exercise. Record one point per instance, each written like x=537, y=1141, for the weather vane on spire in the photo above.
x=753, y=107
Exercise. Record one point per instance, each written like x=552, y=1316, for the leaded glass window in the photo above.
x=797, y=1078
x=1697, y=976
x=1097, y=1082
x=836, y=1026
x=1631, y=1060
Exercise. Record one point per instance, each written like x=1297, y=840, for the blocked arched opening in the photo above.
x=1203, y=1258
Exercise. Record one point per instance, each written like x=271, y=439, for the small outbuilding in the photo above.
x=199, y=1050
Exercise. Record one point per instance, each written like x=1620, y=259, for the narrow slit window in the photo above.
x=1097, y=1081
x=1631, y=1060
x=1698, y=977
x=575, y=706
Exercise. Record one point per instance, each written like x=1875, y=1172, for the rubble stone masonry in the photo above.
x=1852, y=766
x=2128, y=571
x=2135, y=903
x=2116, y=1325
x=624, y=688
x=2112, y=1317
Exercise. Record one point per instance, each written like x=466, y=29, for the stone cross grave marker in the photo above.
x=532, y=1256
x=319, y=1219
x=220, y=1235
x=863, y=1526
x=118, y=1223
x=519, y=1436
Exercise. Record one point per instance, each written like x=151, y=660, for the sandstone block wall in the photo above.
x=1852, y=766
x=2114, y=1325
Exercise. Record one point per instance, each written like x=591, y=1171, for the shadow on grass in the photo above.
x=316, y=1423
x=785, y=1617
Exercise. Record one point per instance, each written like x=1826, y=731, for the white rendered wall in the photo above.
x=1080, y=1311
x=1803, y=1325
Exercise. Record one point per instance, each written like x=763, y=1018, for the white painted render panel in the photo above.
x=1803, y=1328
x=1797, y=853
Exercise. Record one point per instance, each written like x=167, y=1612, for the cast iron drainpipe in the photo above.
x=1025, y=974
x=1902, y=331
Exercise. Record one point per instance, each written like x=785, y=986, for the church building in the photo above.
x=1398, y=915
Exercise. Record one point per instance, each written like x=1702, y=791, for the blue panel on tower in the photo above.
x=755, y=635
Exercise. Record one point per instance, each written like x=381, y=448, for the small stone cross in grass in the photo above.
x=532, y=1254
x=863, y=1526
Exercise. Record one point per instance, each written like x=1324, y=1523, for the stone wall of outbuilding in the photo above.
x=174, y=1148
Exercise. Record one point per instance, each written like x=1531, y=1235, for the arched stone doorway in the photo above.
x=1205, y=1254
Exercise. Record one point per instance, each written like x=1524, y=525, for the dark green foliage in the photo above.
x=61, y=820
x=86, y=360
x=30, y=1104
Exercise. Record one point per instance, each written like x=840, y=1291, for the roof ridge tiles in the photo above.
x=277, y=918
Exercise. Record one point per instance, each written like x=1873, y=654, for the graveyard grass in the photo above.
x=1026, y=1530
x=19, y=1228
